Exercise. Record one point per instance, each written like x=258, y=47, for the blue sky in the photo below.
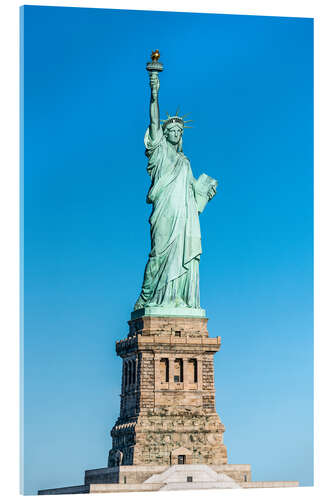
x=247, y=83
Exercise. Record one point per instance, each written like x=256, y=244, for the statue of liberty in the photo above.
x=171, y=277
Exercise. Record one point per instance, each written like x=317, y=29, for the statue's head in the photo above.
x=173, y=128
x=173, y=134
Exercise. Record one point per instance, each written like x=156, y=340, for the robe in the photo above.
x=171, y=275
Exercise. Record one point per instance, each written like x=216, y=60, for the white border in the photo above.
x=9, y=219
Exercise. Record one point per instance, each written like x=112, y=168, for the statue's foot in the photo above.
x=180, y=303
x=139, y=304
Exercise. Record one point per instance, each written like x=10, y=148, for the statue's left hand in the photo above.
x=211, y=192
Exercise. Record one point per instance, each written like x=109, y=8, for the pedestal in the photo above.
x=167, y=410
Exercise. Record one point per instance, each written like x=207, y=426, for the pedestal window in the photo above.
x=178, y=370
x=164, y=369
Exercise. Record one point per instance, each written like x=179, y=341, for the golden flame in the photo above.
x=155, y=55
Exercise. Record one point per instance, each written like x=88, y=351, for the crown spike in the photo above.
x=178, y=109
x=187, y=121
x=186, y=114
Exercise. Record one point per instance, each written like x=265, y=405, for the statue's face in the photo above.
x=173, y=134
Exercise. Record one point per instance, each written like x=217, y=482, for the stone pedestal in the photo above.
x=168, y=435
x=167, y=410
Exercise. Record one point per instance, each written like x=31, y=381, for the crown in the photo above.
x=176, y=119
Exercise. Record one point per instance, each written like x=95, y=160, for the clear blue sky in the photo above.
x=247, y=82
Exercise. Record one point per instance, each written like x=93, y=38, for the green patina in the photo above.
x=171, y=278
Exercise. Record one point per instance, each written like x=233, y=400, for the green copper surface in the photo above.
x=184, y=312
x=171, y=277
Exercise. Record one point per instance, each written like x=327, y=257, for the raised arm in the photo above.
x=154, y=107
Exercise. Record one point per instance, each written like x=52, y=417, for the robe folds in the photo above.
x=171, y=275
